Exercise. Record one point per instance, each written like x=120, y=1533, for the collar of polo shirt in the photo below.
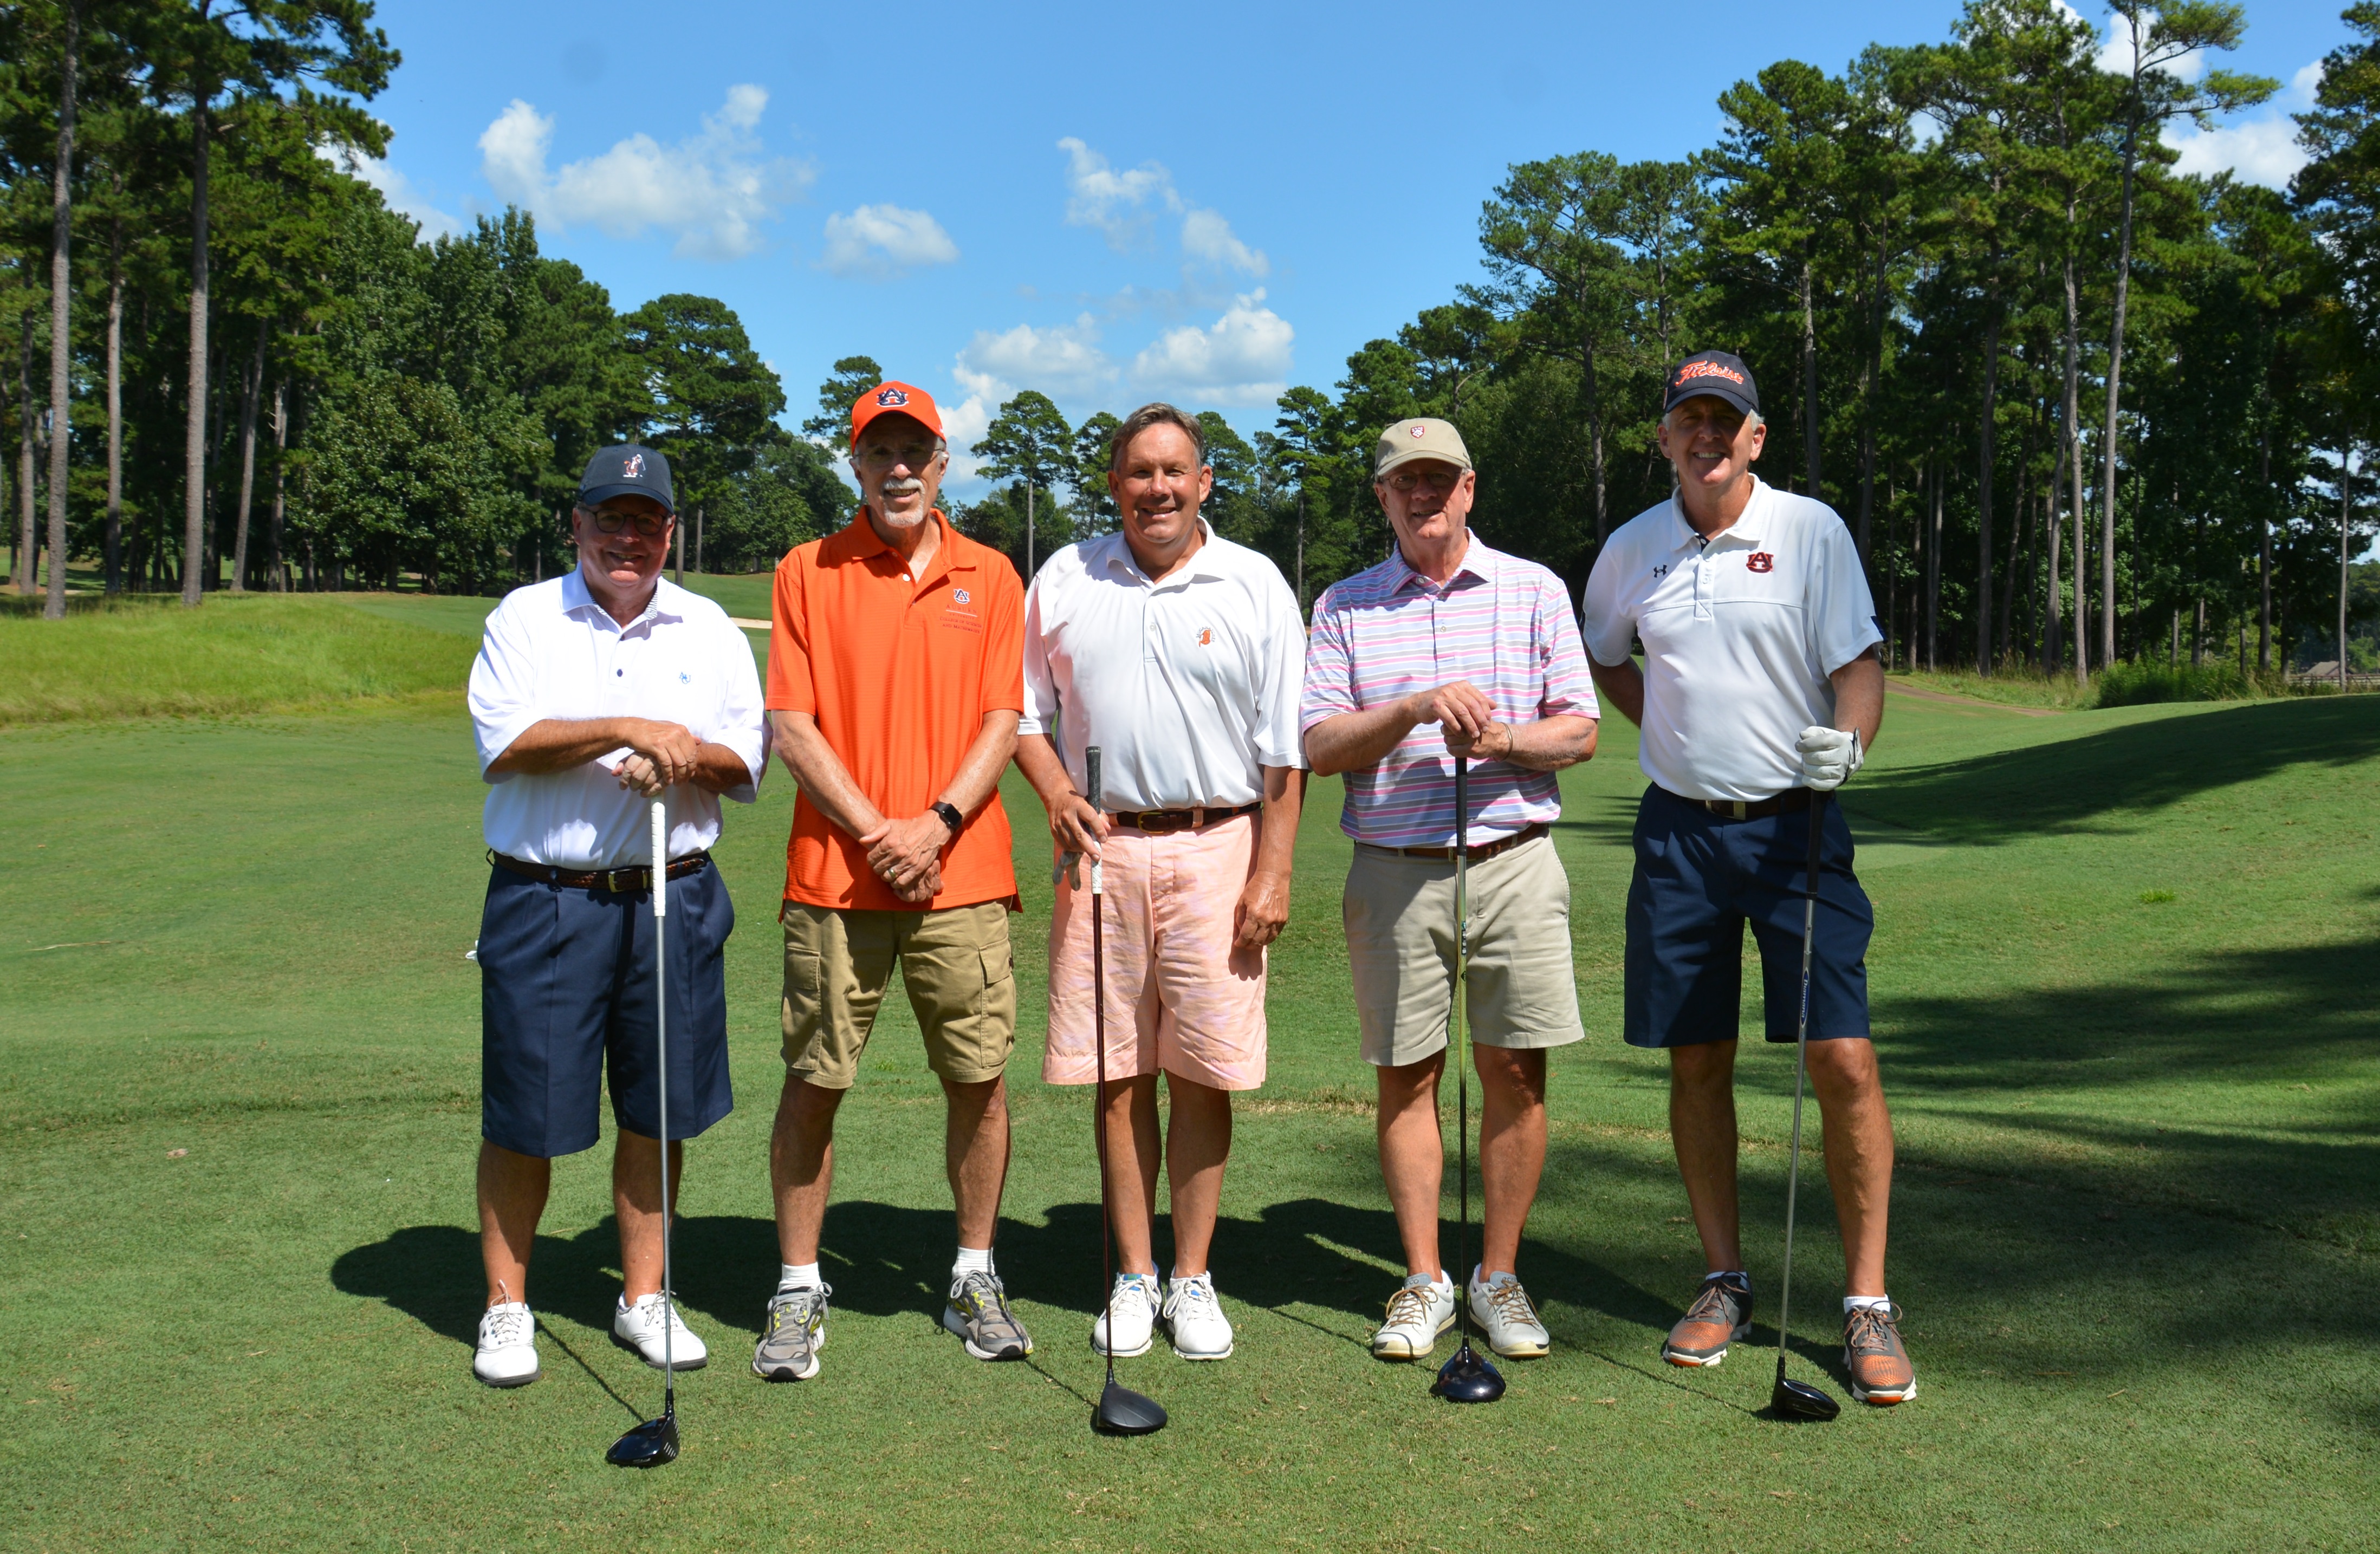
x=1201, y=562
x=575, y=596
x=1478, y=559
x=1745, y=529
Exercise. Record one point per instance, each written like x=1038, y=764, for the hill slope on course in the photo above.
x=2123, y=994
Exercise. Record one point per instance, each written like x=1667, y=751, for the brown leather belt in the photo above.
x=632, y=880
x=1160, y=822
x=1789, y=802
x=1480, y=854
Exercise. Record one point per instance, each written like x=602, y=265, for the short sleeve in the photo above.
x=503, y=684
x=791, y=687
x=1841, y=610
x=1003, y=641
x=1281, y=676
x=1329, y=686
x=742, y=726
x=1569, y=686
x=1610, y=626
x=1041, y=680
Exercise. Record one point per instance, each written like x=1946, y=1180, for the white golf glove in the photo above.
x=1828, y=757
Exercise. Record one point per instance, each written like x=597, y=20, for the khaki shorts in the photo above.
x=1399, y=917
x=954, y=963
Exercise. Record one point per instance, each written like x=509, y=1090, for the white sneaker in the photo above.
x=1504, y=1313
x=1417, y=1313
x=639, y=1327
x=1135, y=1305
x=1196, y=1319
x=507, y=1351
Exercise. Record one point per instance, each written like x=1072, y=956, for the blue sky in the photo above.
x=1108, y=204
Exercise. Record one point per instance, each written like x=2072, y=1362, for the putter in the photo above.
x=1467, y=1377
x=1121, y=1411
x=654, y=1442
x=1791, y=1399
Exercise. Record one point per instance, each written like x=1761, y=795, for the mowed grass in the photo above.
x=2124, y=989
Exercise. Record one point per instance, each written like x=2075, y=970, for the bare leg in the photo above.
x=1859, y=1154
x=1131, y=1123
x=1702, y=1130
x=1198, y=1143
x=801, y=1165
x=975, y=1152
x=1511, y=1150
x=637, y=1201
x=511, y=1199
x=1412, y=1156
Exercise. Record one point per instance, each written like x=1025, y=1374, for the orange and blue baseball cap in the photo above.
x=1713, y=373
x=895, y=399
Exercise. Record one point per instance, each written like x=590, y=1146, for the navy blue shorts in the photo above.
x=1699, y=879
x=566, y=993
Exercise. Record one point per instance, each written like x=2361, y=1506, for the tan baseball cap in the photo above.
x=1421, y=437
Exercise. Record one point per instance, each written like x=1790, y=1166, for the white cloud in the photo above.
x=1242, y=359
x=1206, y=235
x=396, y=190
x=1123, y=204
x=2260, y=151
x=2115, y=53
x=1064, y=360
x=884, y=240
x=2306, y=82
x=711, y=188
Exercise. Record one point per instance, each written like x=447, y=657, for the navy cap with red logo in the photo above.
x=627, y=469
x=1713, y=373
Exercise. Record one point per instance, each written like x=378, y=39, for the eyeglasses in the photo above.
x=1413, y=479
x=610, y=521
x=917, y=456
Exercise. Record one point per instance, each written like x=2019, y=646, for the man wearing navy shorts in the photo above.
x=1761, y=691
x=593, y=695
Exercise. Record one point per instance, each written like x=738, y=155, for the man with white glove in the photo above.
x=1756, y=623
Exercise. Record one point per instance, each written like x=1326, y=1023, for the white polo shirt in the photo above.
x=1188, y=686
x=551, y=651
x=1739, y=636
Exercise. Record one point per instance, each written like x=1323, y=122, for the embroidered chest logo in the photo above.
x=684, y=678
x=960, y=596
x=1206, y=637
x=1660, y=572
x=1760, y=561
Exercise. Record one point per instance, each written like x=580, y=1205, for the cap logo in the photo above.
x=1760, y=561
x=635, y=469
x=1417, y=432
x=1708, y=369
x=892, y=397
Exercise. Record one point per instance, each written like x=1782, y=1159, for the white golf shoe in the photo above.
x=507, y=1351
x=1418, y=1313
x=1196, y=1319
x=639, y=1327
x=1134, y=1304
x=1505, y=1314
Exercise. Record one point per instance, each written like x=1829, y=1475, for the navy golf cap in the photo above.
x=627, y=469
x=1713, y=373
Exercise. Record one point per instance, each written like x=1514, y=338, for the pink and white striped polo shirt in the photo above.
x=1502, y=624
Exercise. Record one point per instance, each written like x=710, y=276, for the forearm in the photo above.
x=1353, y=740
x=821, y=773
x=1551, y=744
x=1284, y=800
x=718, y=769
x=1622, y=685
x=1038, y=759
x=559, y=744
x=1859, y=698
x=979, y=770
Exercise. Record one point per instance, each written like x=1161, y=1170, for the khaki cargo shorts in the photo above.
x=1399, y=917
x=955, y=965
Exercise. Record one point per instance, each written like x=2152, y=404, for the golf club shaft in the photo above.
x=1099, y=1045
x=1801, y=1053
x=1462, y=1036
x=660, y=1059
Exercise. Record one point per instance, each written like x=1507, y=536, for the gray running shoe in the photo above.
x=978, y=1312
x=797, y=1332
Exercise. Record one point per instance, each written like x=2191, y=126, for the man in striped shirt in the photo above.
x=1449, y=649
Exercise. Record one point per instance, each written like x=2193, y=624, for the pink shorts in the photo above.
x=1181, y=997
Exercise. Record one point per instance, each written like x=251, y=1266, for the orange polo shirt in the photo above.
x=899, y=672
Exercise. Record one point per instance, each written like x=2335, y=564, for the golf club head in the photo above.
x=1122, y=1411
x=1798, y=1400
x=649, y=1445
x=1468, y=1378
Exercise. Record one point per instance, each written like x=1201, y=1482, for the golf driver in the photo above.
x=1467, y=1377
x=1791, y=1399
x=654, y=1442
x=1120, y=1410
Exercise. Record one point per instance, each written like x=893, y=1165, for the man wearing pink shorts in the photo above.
x=1181, y=656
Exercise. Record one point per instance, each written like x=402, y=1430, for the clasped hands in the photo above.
x=1467, y=718
x=907, y=855
x=660, y=754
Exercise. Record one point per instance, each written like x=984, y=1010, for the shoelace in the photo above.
x=1189, y=1293
x=1711, y=1305
x=798, y=1308
x=982, y=1291
x=506, y=1329
x=1871, y=1330
x=1409, y=1305
x=652, y=1308
x=1510, y=1301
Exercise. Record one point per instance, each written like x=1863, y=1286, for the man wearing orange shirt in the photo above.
x=895, y=680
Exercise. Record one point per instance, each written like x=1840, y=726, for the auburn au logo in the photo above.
x=1206, y=637
x=892, y=397
x=1760, y=561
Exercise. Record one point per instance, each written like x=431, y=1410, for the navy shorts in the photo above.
x=1699, y=879
x=566, y=994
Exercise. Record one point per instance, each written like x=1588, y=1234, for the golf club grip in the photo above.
x=661, y=858
x=1091, y=774
x=1817, y=839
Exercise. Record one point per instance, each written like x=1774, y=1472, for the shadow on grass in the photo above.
x=2071, y=785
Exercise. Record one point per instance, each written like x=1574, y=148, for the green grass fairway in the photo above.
x=2123, y=982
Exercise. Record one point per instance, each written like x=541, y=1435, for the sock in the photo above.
x=1873, y=1302
x=797, y=1276
x=972, y=1260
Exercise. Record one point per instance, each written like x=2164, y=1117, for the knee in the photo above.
x=1516, y=1076
x=1844, y=1070
x=1703, y=1069
x=1407, y=1085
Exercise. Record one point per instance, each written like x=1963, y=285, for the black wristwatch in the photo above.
x=949, y=815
